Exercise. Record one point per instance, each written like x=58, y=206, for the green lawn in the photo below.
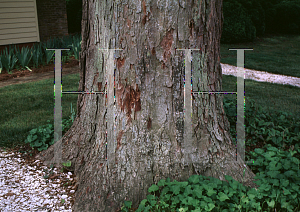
x=268, y=95
x=30, y=105
x=276, y=54
x=273, y=54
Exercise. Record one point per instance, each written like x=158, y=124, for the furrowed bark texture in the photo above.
x=149, y=92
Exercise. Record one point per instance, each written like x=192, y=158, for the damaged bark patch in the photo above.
x=82, y=160
x=144, y=7
x=144, y=20
x=137, y=99
x=191, y=26
x=88, y=190
x=145, y=13
x=95, y=79
x=99, y=86
x=166, y=44
x=149, y=123
x=119, y=91
x=120, y=62
x=119, y=139
x=131, y=100
x=153, y=51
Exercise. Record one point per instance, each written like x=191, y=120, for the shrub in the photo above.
x=257, y=15
x=287, y=18
x=237, y=25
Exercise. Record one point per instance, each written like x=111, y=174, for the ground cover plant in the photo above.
x=275, y=163
x=272, y=137
x=43, y=136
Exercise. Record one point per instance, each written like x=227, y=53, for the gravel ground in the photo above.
x=23, y=187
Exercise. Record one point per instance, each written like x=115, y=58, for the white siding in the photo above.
x=18, y=22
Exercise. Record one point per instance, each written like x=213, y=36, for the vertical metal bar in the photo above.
x=57, y=105
x=188, y=146
x=240, y=127
x=188, y=128
x=111, y=146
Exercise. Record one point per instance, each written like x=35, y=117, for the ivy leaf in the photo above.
x=223, y=197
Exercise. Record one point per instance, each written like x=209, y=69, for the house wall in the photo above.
x=52, y=18
x=18, y=22
x=25, y=22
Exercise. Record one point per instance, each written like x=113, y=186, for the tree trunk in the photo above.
x=149, y=83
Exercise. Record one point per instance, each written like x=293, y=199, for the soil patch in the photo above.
x=40, y=73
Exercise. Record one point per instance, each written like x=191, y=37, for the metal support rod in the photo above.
x=57, y=106
x=83, y=92
x=240, y=127
x=111, y=144
x=188, y=132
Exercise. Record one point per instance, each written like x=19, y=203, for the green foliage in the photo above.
x=43, y=136
x=9, y=59
x=53, y=43
x=48, y=173
x=256, y=13
x=67, y=164
x=279, y=176
x=24, y=56
x=38, y=54
x=1, y=66
x=237, y=25
x=241, y=17
x=202, y=193
x=287, y=17
x=49, y=55
x=76, y=46
x=277, y=173
x=276, y=128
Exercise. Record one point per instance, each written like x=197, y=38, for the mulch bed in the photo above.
x=4, y=76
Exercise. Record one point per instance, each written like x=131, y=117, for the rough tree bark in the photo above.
x=149, y=100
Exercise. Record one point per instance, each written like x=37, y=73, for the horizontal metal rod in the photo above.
x=221, y=92
x=111, y=49
x=187, y=49
x=57, y=49
x=207, y=92
x=82, y=92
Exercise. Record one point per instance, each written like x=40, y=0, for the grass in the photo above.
x=269, y=134
x=273, y=54
x=34, y=100
x=272, y=97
